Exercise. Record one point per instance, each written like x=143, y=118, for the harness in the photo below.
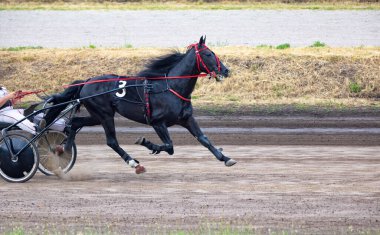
x=147, y=91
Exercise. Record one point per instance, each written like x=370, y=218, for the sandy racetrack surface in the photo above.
x=311, y=189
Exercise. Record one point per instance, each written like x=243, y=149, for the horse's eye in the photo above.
x=209, y=54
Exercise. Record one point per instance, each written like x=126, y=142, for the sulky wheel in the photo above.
x=52, y=163
x=24, y=166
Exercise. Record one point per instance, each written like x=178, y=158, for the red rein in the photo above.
x=21, y=94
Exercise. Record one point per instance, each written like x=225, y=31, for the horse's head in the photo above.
x=208, y=62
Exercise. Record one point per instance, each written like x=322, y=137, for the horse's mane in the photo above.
x=162, y=65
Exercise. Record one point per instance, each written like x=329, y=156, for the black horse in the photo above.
x=161, y=98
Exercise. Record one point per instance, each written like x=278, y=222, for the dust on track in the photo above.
x=314, y=189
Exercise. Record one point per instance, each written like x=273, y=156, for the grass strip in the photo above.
x=189, y=5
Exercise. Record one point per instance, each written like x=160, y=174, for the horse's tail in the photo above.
x=70, y=93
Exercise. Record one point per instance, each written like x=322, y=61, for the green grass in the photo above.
x=21, y=48
x=279, y=47
x=318, y=44
x=187, y=5
x=283, y=46
x=264, y=46
x=207, y=228
x=16, y=231
x=127, y=45
x=355, y=87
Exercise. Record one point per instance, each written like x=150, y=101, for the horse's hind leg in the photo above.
x=75, y=124
x=194, y=129
x=163, y=133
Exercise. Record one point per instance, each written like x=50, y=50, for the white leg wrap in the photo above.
x=132, y=163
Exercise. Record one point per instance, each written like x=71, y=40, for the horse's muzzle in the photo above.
x=226, y=72
x=220, y=76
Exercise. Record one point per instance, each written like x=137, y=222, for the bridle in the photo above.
x=200, y=60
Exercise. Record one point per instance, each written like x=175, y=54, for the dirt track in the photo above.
x=311, y=189
x=296, y=174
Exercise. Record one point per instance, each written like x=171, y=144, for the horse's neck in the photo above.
x=185, y=67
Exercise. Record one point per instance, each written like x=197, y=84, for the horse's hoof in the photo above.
x=140, y=169
x=59, y=150
x=140, y=140
x=230, y=162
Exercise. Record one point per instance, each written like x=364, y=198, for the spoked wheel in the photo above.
x=24, y=166
x=52, y=163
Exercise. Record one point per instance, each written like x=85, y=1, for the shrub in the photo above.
x=355, y=87
x=318, y=44
x=283, y=46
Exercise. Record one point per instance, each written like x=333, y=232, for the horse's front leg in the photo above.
x=193, y=127
x=163, y=133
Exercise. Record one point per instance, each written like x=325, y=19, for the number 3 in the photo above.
x=121, y=93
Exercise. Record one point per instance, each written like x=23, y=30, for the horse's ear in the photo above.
x=204, y=40
x=201, y=42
